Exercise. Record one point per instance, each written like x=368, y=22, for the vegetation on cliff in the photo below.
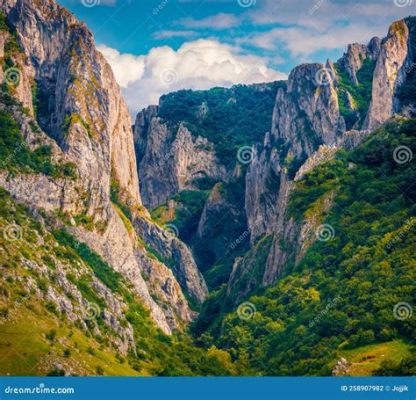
x=343, y=294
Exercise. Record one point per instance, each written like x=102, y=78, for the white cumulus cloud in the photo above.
x=200, y=64
x=126, y=67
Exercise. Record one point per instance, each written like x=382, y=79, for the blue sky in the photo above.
x=157, y=46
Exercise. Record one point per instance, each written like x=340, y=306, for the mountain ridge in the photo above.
x=222, y=170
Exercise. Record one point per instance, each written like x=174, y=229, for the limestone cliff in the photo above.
x=68, y=87
x=389, y=74
x=357, y=54
x=170, y=159
x=306, y=115
x=308, y=128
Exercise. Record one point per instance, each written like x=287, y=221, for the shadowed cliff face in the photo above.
x=320, y=109
x=69, y=88
x=185, y=159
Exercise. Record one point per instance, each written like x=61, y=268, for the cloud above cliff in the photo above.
x=200, y=64
x=167, y=37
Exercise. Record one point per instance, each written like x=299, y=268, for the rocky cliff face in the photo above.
x=192, y=152
x=306, y=116
x=390, y=73
x=170, y=159
x=357, y=54
x=176, y=254
x=67, y=85
x=76, y=83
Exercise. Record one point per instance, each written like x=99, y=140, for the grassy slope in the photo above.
x=27, y=317
x=366, y=360
x=25, y=349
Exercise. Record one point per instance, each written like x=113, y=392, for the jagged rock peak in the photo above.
x=390, y=73
x=357, y=54
x=309, y=107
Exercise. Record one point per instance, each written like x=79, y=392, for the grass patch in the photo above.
x=366, y=360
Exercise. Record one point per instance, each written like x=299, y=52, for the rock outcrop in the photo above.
x=170, y=159
x=176, y=254
x=306, y=116
x=389, y=74
x=84, y=110
x=341, y=368
x=322, y=155
x=263, y=184
x=356, y=54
